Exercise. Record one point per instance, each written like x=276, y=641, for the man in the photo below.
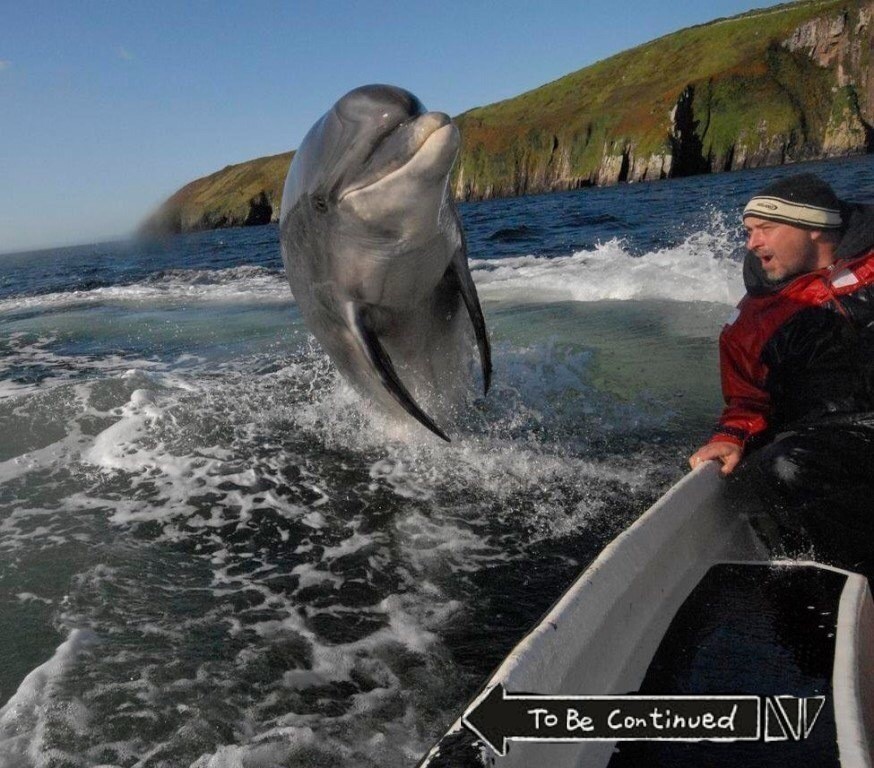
x=797, y=365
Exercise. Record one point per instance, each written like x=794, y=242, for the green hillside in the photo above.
x=238, y=195
x=778, y=85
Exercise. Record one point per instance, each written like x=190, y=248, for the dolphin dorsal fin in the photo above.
x=382, y=364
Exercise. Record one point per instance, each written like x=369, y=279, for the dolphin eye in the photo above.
x=319, y=203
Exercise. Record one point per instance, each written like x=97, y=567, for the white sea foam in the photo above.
x=233, y=478
x=703, y=267
x=30, y=597
x=23, y=718
x=260, y=755
x=58, y=368
x=244, y=284
x=699, y=269
x=147, y=441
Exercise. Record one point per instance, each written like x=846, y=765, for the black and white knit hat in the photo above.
x=804, y=200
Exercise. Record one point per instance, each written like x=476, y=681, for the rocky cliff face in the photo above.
x=793, y=84
x=842, y=43
x=838, y=43
x=239, y=195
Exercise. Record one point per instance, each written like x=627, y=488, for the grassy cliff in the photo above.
x=238, y=195
x=772, y=86
x=768, y=87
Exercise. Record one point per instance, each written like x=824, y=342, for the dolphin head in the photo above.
x=377, y=164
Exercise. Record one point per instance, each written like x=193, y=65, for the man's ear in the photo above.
x=825, y=236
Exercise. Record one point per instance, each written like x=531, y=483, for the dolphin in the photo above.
x=375, y=253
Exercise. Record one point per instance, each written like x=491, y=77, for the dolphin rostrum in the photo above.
x=375, y=254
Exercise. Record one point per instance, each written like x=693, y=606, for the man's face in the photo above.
x=783, y=250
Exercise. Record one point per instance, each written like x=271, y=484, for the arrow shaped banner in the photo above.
x=497, y=716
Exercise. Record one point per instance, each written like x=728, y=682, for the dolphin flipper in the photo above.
x=382, y=364
x=459, y=268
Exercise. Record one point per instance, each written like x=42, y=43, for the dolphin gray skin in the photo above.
x=375, y=254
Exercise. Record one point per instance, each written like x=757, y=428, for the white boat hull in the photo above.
x=600, y=636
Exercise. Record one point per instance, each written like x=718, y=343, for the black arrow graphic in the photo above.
x=497, y=716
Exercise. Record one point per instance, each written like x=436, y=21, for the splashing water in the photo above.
x=215, y=555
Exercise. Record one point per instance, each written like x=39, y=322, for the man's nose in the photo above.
x=754, y=240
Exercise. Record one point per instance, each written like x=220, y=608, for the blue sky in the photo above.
x=109, y=107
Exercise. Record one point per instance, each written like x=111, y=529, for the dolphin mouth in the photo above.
x=408, y=143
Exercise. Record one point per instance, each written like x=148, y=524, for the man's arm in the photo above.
x=747, y=405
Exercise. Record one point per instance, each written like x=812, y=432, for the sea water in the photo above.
x=214, y=554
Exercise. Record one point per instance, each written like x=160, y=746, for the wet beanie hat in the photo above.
x=804, y=200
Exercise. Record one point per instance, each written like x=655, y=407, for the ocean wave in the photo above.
x=513, y=234
x=174, y=277
x=24, y=718
x=704, y=267
x=34, y=364
x=245, y=283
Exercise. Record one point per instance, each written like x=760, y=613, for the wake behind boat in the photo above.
x=686, y=602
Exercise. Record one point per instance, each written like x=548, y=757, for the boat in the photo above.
x=686, y=601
